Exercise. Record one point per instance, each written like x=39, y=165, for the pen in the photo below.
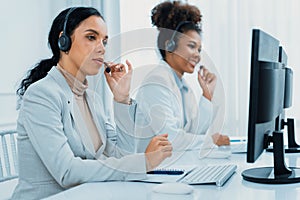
x=166, y=172
x=238, y=140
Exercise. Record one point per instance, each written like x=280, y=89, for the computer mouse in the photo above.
x=173, y=188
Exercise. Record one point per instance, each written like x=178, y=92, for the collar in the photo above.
x=76, y=86
x=181, y=84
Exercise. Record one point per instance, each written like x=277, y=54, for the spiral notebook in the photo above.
x=193, y=175
x=172, y=174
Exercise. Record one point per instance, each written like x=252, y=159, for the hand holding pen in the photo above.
x=119, y=80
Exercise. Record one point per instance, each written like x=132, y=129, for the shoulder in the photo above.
x=161, y=75
x=45, y=86
x=47, y=89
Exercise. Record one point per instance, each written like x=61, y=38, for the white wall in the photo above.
x=23, y=40
x=24, y=36
x=227, y=26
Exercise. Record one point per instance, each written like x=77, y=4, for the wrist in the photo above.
x=149, y=167
x=207, y=96
x=127, y=100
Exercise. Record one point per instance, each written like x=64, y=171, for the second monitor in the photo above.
x=292, y=146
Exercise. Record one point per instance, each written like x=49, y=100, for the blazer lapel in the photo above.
x=61, y=81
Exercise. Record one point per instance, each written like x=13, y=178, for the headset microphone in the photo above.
x=171, y=44
x=64, y=41
x=107, y=69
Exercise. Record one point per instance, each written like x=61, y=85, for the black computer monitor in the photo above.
x=266, y=105
x=292, y=146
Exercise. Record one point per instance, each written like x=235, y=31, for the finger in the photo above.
x=164, y=143
x=167, y=148
x=205, y=73
x=202, y=83
x=227, y=140
x=112, y=69
x=210, y=77
x=200, y=78
x=120, y=67
x=160, y=138
x=129, y=65
x=164, y=135
x=202, y=73
x=117, y=67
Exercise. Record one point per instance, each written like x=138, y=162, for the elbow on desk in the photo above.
x=72, y=175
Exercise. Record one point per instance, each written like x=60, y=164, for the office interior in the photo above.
x=227, y=27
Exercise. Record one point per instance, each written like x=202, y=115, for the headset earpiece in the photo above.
x=64, y=41
x=171, y=44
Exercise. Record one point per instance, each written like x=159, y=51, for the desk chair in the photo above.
x=8, y=155
x=8, y=163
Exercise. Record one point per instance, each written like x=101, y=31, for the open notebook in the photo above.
x=210, y=174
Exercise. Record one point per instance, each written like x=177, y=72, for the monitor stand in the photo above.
x=280, y=173
x=292, y=147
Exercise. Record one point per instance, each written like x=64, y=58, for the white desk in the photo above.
x=235, y=189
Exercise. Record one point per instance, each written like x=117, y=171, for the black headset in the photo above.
x=64, y=41
x=171, y=44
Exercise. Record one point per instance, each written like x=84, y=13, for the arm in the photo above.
x=125, y=118
x=160, y=111
x=119, y=83
x=42, y=115
x=207, y=81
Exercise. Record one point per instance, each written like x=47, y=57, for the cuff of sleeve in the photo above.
x=131, y=103
x=138, y=171
x=125, y=116
x=206, y=104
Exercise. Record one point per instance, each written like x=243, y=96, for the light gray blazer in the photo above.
x=52, y=156
x=160, y=110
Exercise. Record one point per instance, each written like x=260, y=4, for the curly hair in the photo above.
x=167, y=15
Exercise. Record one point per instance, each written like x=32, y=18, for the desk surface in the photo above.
x=235, y=189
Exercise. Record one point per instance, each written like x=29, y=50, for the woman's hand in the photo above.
x=207, y=81
x=119, y=81
x=220, y=139
x=158, y=149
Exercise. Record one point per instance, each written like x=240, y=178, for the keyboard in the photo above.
x=214, y=174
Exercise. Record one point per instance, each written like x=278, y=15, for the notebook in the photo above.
x=193, y=175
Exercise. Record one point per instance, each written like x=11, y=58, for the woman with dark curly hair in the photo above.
x=167, y=103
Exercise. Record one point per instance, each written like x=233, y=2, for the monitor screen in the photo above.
x=266, y=104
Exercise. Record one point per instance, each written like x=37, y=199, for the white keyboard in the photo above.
x=214, y=174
